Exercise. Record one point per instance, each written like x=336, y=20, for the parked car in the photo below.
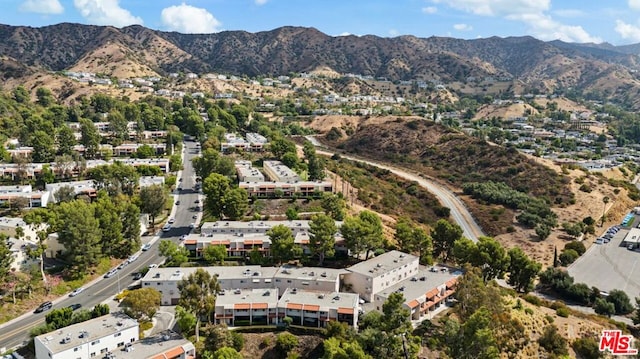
x=166, y=228
x=122, y=265
x=146, y=247
x=171, y=220
x=177, y=203
x=192, y=225
x=153, y=265
x=630, y=247
x=600, y=240
x=44, y=306
x=133, y=258
x=111, y=273
x=182, y=237
x=76, y=292
x=137, y=276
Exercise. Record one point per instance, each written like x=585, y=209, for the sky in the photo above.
x=613, y=21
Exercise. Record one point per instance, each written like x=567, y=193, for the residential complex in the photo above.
x=33, y=199
x=312, y=295
x=283, y=181
x=254, y=142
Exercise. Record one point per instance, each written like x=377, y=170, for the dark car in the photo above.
x=75, y=306
x=44, y=306
x=137, y=276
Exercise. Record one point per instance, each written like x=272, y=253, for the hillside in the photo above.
x=525, y=62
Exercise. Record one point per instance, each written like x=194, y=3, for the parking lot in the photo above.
x=609, y=266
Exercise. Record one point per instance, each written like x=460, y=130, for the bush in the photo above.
x=549, y=319
x=285, y=342
x=587, y=348
x=238, y=340
x=568, y=256
x=620, y=301
x=562, y=312
x=557, y=305
x=576, y=246
x=603, y=307
x=533, y=299
x=528, y=311
x=553, y=342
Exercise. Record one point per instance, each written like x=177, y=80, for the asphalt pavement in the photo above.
x=15, y=333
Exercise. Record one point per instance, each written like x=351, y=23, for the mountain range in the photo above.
x=602, y=70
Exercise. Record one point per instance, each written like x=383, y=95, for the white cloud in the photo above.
x=627, y=31
x=534, y=13
x=106, y=12
x=42, y=6
x=568, y=12
x=429, y=9
x=189, y=19
x=463, y=27
x=634, y=4
x=260, y=2
x=394, y=32
x=345, y=34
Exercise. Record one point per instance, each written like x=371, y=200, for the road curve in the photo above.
x=459, y=211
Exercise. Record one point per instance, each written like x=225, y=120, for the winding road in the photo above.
x=459, y=211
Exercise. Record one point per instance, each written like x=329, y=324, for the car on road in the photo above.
x=630, y=247
x=146, y=247
x=75, y=306
x=197, y=201
x=166, y=228
x=153, y=265
x=44, y=306
x=177, y=203
x=111, y=273
x=182, y=237
x=171, y=220
x=179, y=188
x=76, y=292
x=192, y=225
x=137, y=276
x=122, y=265
x=133, y=258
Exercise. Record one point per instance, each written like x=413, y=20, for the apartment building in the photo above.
x=278, y=172
x=247, y=173
x=34, y=199
x=424, y=292
x=129, y=149
x=94, y=338
x=379, y=273
x=257, y=142
x=316, y=308
x=10, y=226
x=239, y=307
x=296, y=226
x=285, y=189
x=233, y=141
x=166, y=280
x=241, y=244
x=86, y=187
x=19, y=252
x=147, y=181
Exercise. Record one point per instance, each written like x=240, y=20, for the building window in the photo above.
x=93, y=354
x=133, y=340
x=117, y=334
x=288, y=280
x=120, y=344
x=103, y=350
x=76, y=349
x=96, y=342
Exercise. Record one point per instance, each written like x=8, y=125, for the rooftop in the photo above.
x=223, y=273
x=383, y=263
x=310, y=273
x=164, y=342
x=417, y=286
x=230, y=297
x=12, y=222
x=89, y=331
x=324, y=300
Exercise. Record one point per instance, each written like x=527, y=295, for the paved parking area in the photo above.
x=609, y=266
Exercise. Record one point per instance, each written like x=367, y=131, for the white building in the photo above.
x=278, y=172
x=86, y=187
x=379, y=273
x=9, y=226
x=164, y=345
x=91, y=339
x=34, y=199
x=21, y=260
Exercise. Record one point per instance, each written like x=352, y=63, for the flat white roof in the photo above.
x=383, y=263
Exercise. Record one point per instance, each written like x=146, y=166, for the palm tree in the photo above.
x=605, y=200
x=198, y=294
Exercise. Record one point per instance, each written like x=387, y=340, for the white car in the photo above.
x=146, y=247
x=153, y=265
x=166, y=228
x=192, y=225
x=182, y=237
x=111, y=273
x=76, y=292
x=133, y=257
x=171, y=220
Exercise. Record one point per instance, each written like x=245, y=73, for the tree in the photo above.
x=334, y=206
x=291, y=213
x=236, y=203
x=283, y=248
x=43, y=147
x=90, y=138
x=605, y=200
x=444, y=235
x=552, y=341
x=108, y=216
x=100, y=310
x=79, y=233
x=153, y=199
x=21, y=95
x=587, y=348
x=473, y=339
x=115, y=178
x=215, y=187
x=285, y=342
x=280, y=146
x=491, y=257
x=130, y=217
x=522, y=270
x=198, y=295
x=576, y=246
x=335, y=348
x=118, y=127
x=620, y=301
x=59, y=318
x=65, y=194
x=226, y=353
x=176, y=255
x=314, y=163
x=215, y=254
x=568, y=256
x=212, y=161
x=145, y=151
x=186, y=321
x=363, y=233
x=44, y=97
x=6, y=257
x=322, y=230
x=604, y=307
x=543, y=231
x=142, y=304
